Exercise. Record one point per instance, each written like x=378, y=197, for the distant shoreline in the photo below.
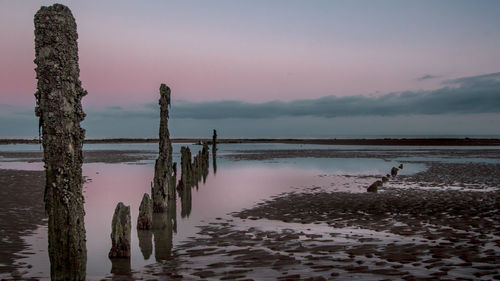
x=354, y=141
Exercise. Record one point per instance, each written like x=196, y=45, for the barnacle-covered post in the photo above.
x=58, y=105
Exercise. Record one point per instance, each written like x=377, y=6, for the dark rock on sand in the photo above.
x=374, y=186
x=394, y=172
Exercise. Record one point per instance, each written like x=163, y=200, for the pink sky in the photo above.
x=273, y=52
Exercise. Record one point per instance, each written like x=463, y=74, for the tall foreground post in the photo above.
x=58, y=105
x=163, y=187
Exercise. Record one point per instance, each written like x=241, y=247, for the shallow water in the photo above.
x=235, y=186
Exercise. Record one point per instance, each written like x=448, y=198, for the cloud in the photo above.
x=428, y=77
x=467, y=95
x=491, y=79
x=463, y=105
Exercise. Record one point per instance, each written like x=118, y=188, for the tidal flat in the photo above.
x=287, y=211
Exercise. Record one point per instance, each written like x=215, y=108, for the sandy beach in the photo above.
x=250, y=140
x=435, y=224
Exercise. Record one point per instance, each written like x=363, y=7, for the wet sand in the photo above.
x=21, y=198
x=364, y=153
x=463, y=176
x=424, y=231
x=119, y=156
x=90, y=156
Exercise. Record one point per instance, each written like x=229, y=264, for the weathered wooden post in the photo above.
x=186, y=167
x=58, y=105
x=163, y=186
x=145, y=217
x=120, y=232
x=214, y=151
x=120, y=251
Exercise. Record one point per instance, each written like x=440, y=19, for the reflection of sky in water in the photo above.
x=336, y=166
x=233, y=188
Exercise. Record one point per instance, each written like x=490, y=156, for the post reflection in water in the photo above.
x=185, y=194
x=214, y=162
x=164, y=225
x=145, y=242
x=120, y=267
x=205, y=174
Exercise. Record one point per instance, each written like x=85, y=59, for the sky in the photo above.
x=281, y=68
